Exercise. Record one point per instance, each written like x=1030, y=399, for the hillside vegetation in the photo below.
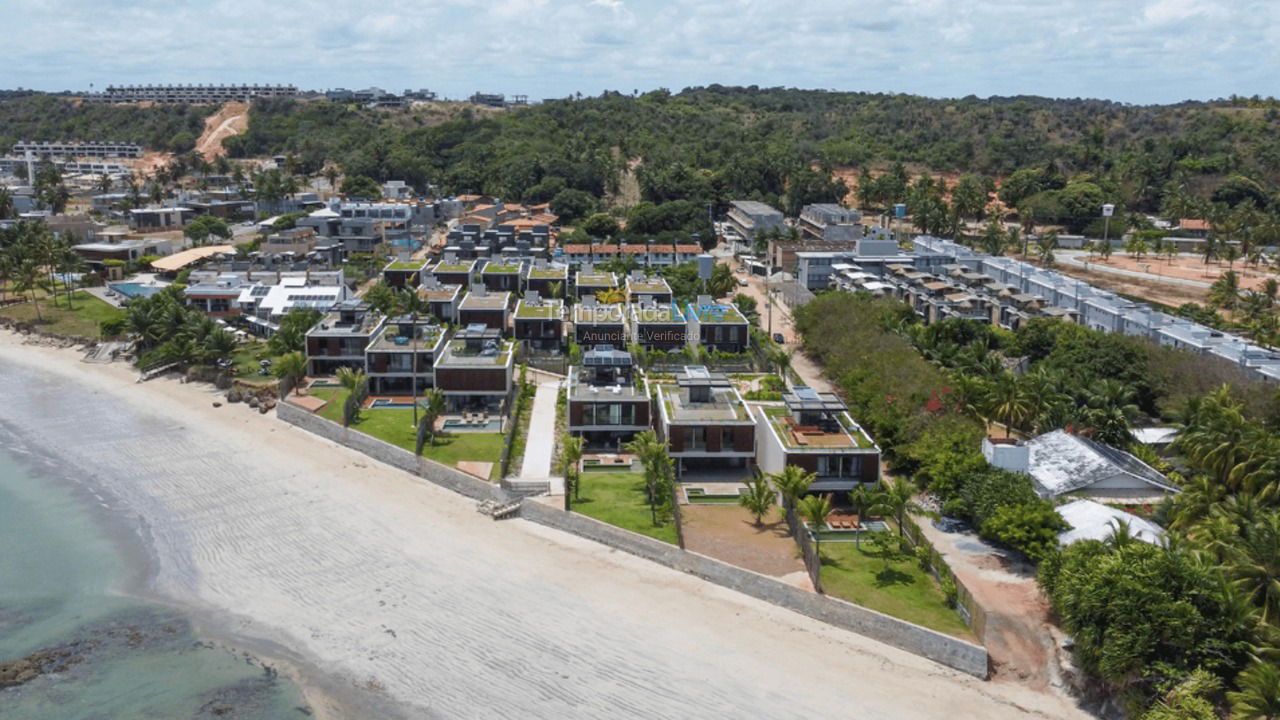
x=173, y=128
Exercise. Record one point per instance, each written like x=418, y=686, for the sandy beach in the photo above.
x=397, y=593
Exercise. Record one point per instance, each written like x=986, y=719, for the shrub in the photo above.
x=1031, y=528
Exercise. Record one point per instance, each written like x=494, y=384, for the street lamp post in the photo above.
x=1107, y=211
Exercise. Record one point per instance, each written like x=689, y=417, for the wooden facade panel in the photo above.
x=463, y=380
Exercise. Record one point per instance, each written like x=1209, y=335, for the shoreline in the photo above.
x=565, y=622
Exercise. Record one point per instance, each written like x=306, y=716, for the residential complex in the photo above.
x=190, y=93
x=75, y=149
x=749, y=217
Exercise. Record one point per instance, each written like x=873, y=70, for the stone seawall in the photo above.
x=953, y=652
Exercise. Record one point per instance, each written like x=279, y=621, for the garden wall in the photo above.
x=944, y=649
x=952, y=652
x=397, y=457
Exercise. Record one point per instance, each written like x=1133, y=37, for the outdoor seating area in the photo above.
x=607, y=462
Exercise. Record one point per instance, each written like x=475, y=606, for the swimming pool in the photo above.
x=133, y=290
x=389, y=403
x=490, y=426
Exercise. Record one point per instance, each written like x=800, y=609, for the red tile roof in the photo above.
x=1193, y=224
x=695, y=249
x=635, y=249
x=578, y=249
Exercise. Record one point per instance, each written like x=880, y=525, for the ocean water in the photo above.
x=68, y=595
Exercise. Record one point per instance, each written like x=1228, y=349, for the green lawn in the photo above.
x=618, y=498
x=80, y=321
x=395, y=425
x=246, y=360
x=902, y=590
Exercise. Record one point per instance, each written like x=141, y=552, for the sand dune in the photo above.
x=401, y=588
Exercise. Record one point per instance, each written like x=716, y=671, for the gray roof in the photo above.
x=1061, y=463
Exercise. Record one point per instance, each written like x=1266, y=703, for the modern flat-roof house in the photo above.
x=491, y=309
x=717, y=326
x=452, y=271
x=608, y=399
x=161, y=218
x=595, y=324
x=473, y=370
x=442, y=300
x=749, y=217
x=589, y=281
x=641, y=286
x=393, y=358
x=543, y=278
x=705, y=424
x=539, y=322
x=814, y=431
x=658, y=327
x=341, y=337
x=1061, y=463
x=264, y=306
x=503, y=276
x=830, y=222
x=404, y=273
x=218, y=297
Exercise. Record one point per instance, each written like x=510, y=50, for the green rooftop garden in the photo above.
x=411, y=265
x=500, y=269
x=597, y=280
x=548, y=273
x=546, y=311
x=453, y=267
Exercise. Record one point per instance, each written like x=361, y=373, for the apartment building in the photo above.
x=76, y=149
x=829, y=222
x=749, y=217
x=194, y=94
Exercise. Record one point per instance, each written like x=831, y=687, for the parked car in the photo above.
x=779, y=338
x=742, y=282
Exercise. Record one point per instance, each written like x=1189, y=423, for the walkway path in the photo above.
x=542, y=433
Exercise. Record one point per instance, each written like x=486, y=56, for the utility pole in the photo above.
x=1107, y=211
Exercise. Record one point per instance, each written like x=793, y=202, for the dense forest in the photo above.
x=1180, y=631
x=712, y=144
x=174, y=128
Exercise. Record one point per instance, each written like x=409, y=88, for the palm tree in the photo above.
x=6, y=203
x=570, y=456
x=556, y=288
x=433, y=405
x=1008, y=402
x=1225, y=291
x=895, y=501
x=1046, y=243
x=290, y=368
x=759, y=498
x=611, y=296
x=815, y=509
x=409, y=301
x=354, y=382
x=793, y=482
x=331, y=174
x=1259, y=695
x=1255, y=564
x=657, y=467
x=29, y=277
x=861, y=500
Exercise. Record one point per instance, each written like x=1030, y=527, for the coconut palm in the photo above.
x=29, y=277
x=759, y=498
x=658, y=470
x=815, y=509
x=409, y=301
x=1254, y=563
x=861, y=500
x=1259, y=695
x=1225, y=291
x=570, y=456
x=895, y=501
x=611, y=296
x=793, y=482
x=354, y=382
x=1008, y=402
x=432, y=405
x=291, y=368
x=1046, y=243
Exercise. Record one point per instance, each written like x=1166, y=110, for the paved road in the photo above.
x=779, y=321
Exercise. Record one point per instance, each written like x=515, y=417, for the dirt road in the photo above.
x=231, y=119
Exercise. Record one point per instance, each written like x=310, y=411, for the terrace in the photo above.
x=658, y=315
x=815, y=421
x=406, y=266
x=494, y=268
x=398, y=334
x=606, y=374
x=534, y=308
x=454, y=267
x=485, y=301
x=701, y=396
x=476, y=346
x=592, y=313
x=549, y=273
x=713, y=313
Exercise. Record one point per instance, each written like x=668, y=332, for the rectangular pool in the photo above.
x=389, y=403
x=456, y=424
x=133, y=290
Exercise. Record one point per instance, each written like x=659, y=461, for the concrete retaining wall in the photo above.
x=397, y=457
x=953, y=652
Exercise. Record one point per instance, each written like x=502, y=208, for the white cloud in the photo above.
x=550, y=48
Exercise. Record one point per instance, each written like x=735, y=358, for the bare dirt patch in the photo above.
x=231, y=119
x=728, y=533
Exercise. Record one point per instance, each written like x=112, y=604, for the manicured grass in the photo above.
x=902, y=589
x=619, y=499
x=521, y=438
x=395, y=426
x=80, y=321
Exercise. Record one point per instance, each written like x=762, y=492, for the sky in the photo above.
x=1135, y=51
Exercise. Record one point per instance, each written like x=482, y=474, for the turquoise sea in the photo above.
x=68, y=584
